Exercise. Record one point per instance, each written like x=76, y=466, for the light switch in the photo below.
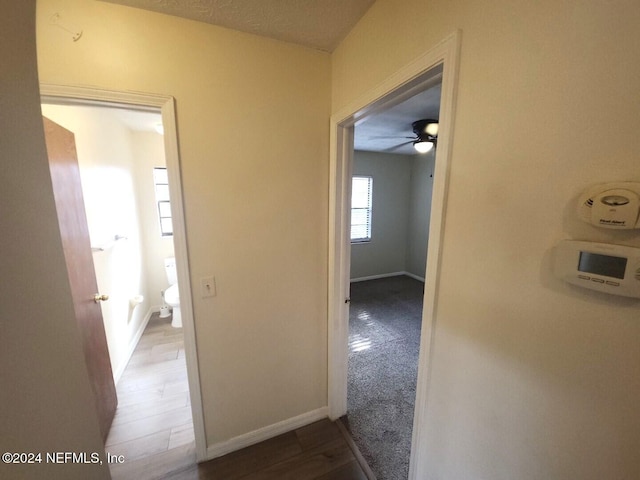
x=208, y=287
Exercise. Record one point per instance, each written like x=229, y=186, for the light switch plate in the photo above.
x=208, y=287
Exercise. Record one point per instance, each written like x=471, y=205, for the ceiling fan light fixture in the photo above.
x=422, y=146
x=431, y=129
x=426, y=132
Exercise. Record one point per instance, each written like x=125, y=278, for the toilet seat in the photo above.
x=172, y=295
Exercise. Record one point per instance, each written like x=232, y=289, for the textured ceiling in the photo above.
x=319, y=24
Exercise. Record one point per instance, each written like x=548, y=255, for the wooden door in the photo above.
x=72, y=219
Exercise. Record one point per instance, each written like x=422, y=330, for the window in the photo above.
x=361, y=209
x=161, y=182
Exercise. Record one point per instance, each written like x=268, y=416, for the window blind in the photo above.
x=361, y=201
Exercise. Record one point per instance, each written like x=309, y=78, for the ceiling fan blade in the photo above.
x=396, y=147
x=385, y=137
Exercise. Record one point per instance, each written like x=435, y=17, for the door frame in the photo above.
x=405, y=83
x=165, y=105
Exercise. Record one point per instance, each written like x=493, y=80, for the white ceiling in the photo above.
x=136, y=120
x=319, y=24
x=386, y=131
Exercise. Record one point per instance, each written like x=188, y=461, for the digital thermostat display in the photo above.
x=602, y=264
x=606, y=267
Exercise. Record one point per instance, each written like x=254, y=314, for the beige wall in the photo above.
x=45, y=394
x=531, y=378
x=253, y=135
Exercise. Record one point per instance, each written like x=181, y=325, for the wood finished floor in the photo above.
x=154, y=431
x=154, y=410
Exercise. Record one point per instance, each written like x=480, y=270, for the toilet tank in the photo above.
x=170, y=268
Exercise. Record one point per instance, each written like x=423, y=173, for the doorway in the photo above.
x=119, y=151
x=387, y=280
x=408, y=81
x=162, y=108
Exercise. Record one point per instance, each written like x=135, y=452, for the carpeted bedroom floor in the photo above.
x=384, y=341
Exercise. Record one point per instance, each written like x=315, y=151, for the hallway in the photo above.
x=153, y=430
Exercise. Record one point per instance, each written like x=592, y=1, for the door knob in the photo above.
x=100, y=298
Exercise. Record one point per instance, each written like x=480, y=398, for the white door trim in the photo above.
x=405, y=83
x=166, y=106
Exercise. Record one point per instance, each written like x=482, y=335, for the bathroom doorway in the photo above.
x=120, y=141
x=118, y=153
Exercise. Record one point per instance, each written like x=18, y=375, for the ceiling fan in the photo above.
x=426, y=135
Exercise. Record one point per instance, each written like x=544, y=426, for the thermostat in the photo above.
x=605, y=267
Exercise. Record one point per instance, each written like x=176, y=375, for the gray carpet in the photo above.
x=384, y=341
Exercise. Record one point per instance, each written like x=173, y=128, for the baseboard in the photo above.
x=154, y=308
x=415, y=277
x=265, y=433
x=356, y=451
x=133, y=344
x=386, y=275
x=376, y=277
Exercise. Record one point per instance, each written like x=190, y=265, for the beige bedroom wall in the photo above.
x=45, y=396
x=420, y=213
x=252, y=119
x=385, y=253
x=531, y=378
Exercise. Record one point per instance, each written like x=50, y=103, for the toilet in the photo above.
x=171, y=294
